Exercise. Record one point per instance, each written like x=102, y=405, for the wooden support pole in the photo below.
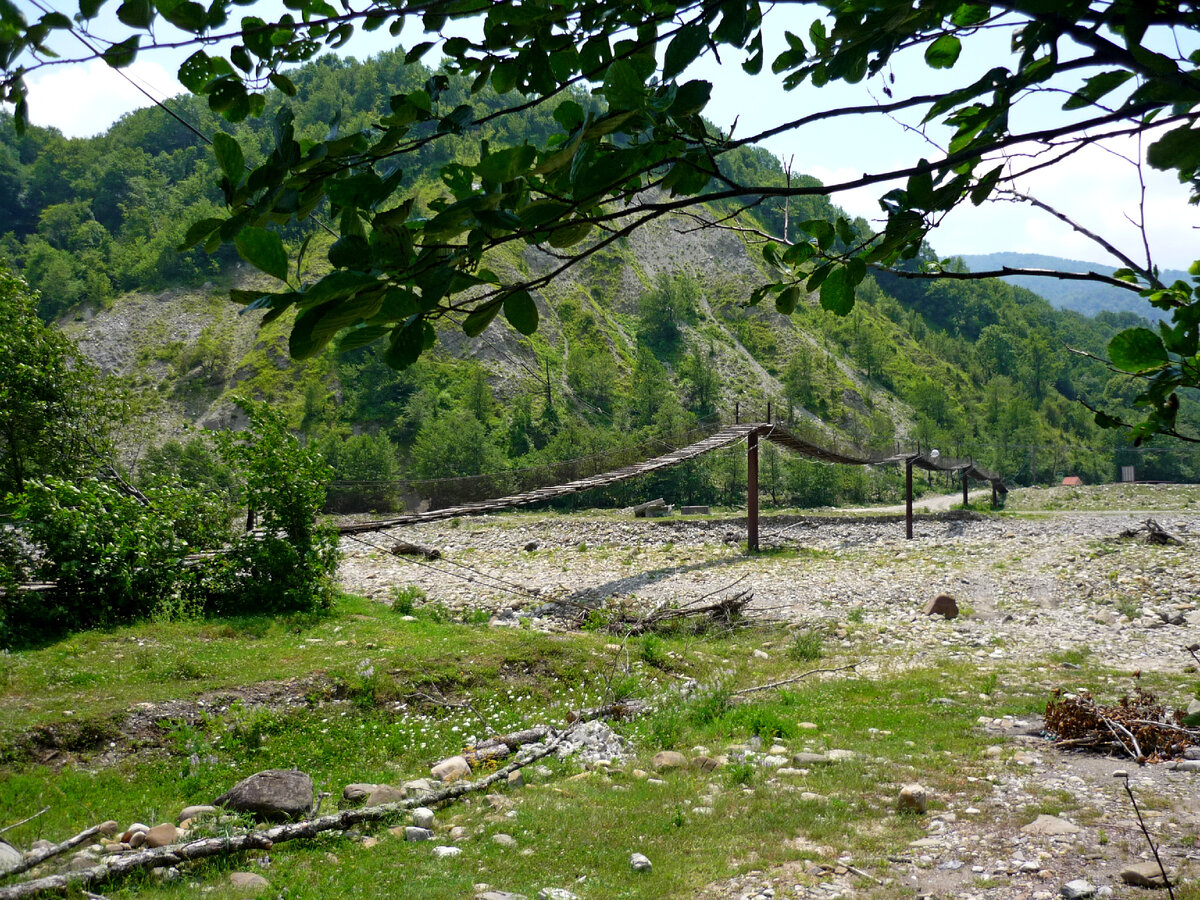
x=752, y=493
x=965, y=501
x=994, y=498
x=908, y=498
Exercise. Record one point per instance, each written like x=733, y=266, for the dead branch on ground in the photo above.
x=792, y=680
x=726, y=611
x=1138, y=727
x=203, y=848
x=1153, y=534
x=40, y=856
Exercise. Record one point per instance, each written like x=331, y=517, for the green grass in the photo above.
x=380, y=699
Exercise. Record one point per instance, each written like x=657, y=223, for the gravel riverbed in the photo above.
x=1036, y=589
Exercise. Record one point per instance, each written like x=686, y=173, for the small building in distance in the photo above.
x=1072, y=481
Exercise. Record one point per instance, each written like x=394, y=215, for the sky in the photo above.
x=1097, y=187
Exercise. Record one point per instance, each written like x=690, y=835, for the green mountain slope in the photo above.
x=648, y=337
x=1081, y=296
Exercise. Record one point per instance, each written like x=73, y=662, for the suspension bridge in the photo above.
x=749, y=434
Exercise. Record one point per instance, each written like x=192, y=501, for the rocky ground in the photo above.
x=1040, y=592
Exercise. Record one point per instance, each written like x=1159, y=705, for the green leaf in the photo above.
x=283, y=83
x=970, y=14
x=120, y=55
x=408, y=341
x=943, y=53
x=89, y=8
x=264, y=250
x=521, y=312
x=623, y=87
x=506, y=165
x=229, y=157
x=198, y=232
x=683, y=50
x=361, y=337
x=136, y=13
x=1137, y=350
x=691, y=97
x=837, y=294
x=187, y=15
x=481, y=317
x=196, y=71
x=821, y=230
x=1177, y=149
x=569, y=234
x=1096, y=87
x=787, y=299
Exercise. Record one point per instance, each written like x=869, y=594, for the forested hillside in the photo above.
x=646, y=339
x=1087, y=297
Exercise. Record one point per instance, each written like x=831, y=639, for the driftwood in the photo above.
x=404, y=548
x=175, y=854
x=40, y=856
x=1136, y=726
x=725, y=611
x=792, y=680
x=504, y=745
x=622, y=709
x=1154, y=533
x=40, y=812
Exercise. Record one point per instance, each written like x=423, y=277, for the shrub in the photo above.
x=111, y=558
x=287, y=565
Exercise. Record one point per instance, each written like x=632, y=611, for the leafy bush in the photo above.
x=405, y=599
x=287, y=564
x=806, y=646
x=111, y=558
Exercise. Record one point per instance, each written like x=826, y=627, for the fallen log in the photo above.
x=404, y=548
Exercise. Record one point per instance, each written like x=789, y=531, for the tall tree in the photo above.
x=55, y=414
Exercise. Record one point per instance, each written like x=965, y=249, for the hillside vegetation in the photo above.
x=647, y=338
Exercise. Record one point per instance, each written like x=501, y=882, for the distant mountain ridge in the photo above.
x=1084, y=297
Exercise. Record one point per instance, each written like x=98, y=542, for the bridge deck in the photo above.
x=730, y=434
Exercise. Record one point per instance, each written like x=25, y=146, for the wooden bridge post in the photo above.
x=965, y=501
x=752, y=493
x=995, y=500
x=908, y=497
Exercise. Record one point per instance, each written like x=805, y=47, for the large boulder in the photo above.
x=273, y=795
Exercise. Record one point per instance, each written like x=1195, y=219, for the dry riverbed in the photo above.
x=1045, y=590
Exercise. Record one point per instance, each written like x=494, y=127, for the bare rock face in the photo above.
x=273, y=795
x=942, y=605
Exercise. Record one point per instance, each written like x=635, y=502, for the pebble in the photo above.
x=423, y=817
x=1146, y=874
x=1079, y=889
x=504, y=840
x=451, y=770
x=640, y=863
x=248, y=881
x=913, y=798
x=413, y=833
x=446, y=852
x=556, y=893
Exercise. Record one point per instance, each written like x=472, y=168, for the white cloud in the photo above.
x=84, y=100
